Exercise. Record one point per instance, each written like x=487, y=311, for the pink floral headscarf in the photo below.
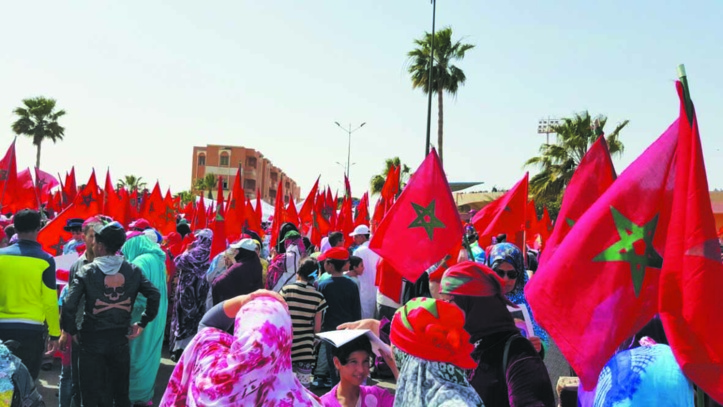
x=250, y=368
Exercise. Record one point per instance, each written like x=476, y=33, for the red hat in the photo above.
x=471, y=279
x=335, y=253
x=140, y=224
x=433, y=330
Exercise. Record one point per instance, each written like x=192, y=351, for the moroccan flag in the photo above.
x=306, y=215
x=291, y=215
x=422, y=226
x=159, y=212
x=532, y=226
x=252, y=221
x=320, y=228
x=24, y=195
x=278, y=215
x=389, y=280
x=44, y=182
x=506, y=215
x=218, y=244
x=87, y=203
x=362, y=211
x=347, y=187
x=609, y=264
x=593, y=177
x=8, y=176
x=690, y=300
x=113, y=204
x=380, y=209
x=70, y=188
x=236, y=209
x=345, y=223
x=189, y=211
x=391, y=184
x=199, y=222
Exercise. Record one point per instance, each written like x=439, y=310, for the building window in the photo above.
x=225, y=183
x=224, y=160
x=240, y=167
x=250, y=184
x=274, y=177
x=251, y=162
x=288, y=185
x=272, y=193
x=286, y=199
x=201, y=159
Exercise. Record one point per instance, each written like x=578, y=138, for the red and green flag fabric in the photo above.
x=690, y=301
x=306, y=215
x=601, y=286
x=8, y=176
x=44, y=183
x=506, y=215
x=422, y=226
x=593, y=177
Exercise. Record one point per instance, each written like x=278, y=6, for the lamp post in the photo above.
x=349, y=131
x=544, y=126
x=429, y=81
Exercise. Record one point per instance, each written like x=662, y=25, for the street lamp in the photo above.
x=349, y=131
x=429, y=82
x=544, y=126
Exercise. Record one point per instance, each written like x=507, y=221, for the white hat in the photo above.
x=246, y=244
x=360, y=230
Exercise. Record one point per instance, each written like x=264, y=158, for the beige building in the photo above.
x=257, y=171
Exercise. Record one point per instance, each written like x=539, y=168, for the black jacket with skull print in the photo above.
x=109, y=299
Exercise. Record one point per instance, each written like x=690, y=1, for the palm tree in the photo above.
x=186, y=197
x=131, y=183
x=209, y=183
x=38, y=119
x=378, y=180
x=445, y=76
x=558, y=161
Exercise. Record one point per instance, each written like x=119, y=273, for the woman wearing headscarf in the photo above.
x=146, y=349
x=431, y=350
x=190, y=297
x=243, y=277
x=282, y=269
x=252, y=367
x=507, y=261
x=509, y=370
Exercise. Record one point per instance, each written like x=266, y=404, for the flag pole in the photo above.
x=689, y=109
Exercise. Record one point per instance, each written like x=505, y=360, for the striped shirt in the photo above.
x=304, y=303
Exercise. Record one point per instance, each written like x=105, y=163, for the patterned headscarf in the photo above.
x=197, y=256
x=426, y=383
x=250, y=368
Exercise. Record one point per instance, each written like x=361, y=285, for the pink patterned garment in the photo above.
x=251, y=368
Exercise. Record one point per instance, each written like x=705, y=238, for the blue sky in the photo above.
x=143, y=82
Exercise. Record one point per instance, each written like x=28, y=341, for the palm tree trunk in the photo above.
x=37, y=156
x=440, y=124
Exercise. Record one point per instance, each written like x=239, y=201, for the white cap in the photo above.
x=246, y=244
x=360, y=230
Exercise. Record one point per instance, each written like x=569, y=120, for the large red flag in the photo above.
x=218, y=244
x=87, y=203
x=8, y=176
x=506, y=215
x=235, y=213
x=609, y=264
x=690, y=300
x=158, y=212
x=306, y=216
x=291, y=215
x=24, y=195
x=422, y=226
x=44, y=182
x=362, y=211
x=593, y=177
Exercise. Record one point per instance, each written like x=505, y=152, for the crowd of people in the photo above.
x=241, y=324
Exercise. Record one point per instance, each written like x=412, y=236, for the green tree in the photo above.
x=38, y=120
x=378, y=180
x=131, y=183
x=558, y=161
x=209, y=184
x=445, y=76
x=186, y=197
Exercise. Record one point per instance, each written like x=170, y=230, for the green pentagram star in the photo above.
x=453, y=283
x=570, y=222
x=420, y=302
x=624, y=249
x=424, y=213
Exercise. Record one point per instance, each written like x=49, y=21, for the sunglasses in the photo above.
x=512, y=274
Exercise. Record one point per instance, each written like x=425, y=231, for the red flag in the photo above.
x=199, y=222
x=380, y=209
x=235, y=213
x=345, y=223
x=389, y=280
x=278, y=215
x=70, y=189
x=44, y=182
x=690, y=301
x=259, y=212
x=8, y=176
x=87, y=203
x=347, y=187
x=593, y=177
x=532, y=234
x=609, y=265
x=24, y=194
x=291, y=215
x=114, y=205
x=422, y=226
x=306, y=216
x=362, y=211
x=218, y=244
x=159, y=212
x=320, y=228
x=391, y=184
x=252, y=221
x=506, y=215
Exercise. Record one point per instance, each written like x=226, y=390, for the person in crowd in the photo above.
x=146, y=350
x=244, y=276
x=342, y=297
x=108, y=288
x=183, y=229
x=282, y=269
x=10, y=232
x=432, y=349
x=643, y=376
x=367, y=289
x=509, y=369
x=356, y=269
x=353, y=362
x=506, y=260
x=336, y=239
x=28, y=296
x=75, y=227
x=307, y=307
x=252, y=367
x=189, y=303
x=140, y=225
x=477, y=251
